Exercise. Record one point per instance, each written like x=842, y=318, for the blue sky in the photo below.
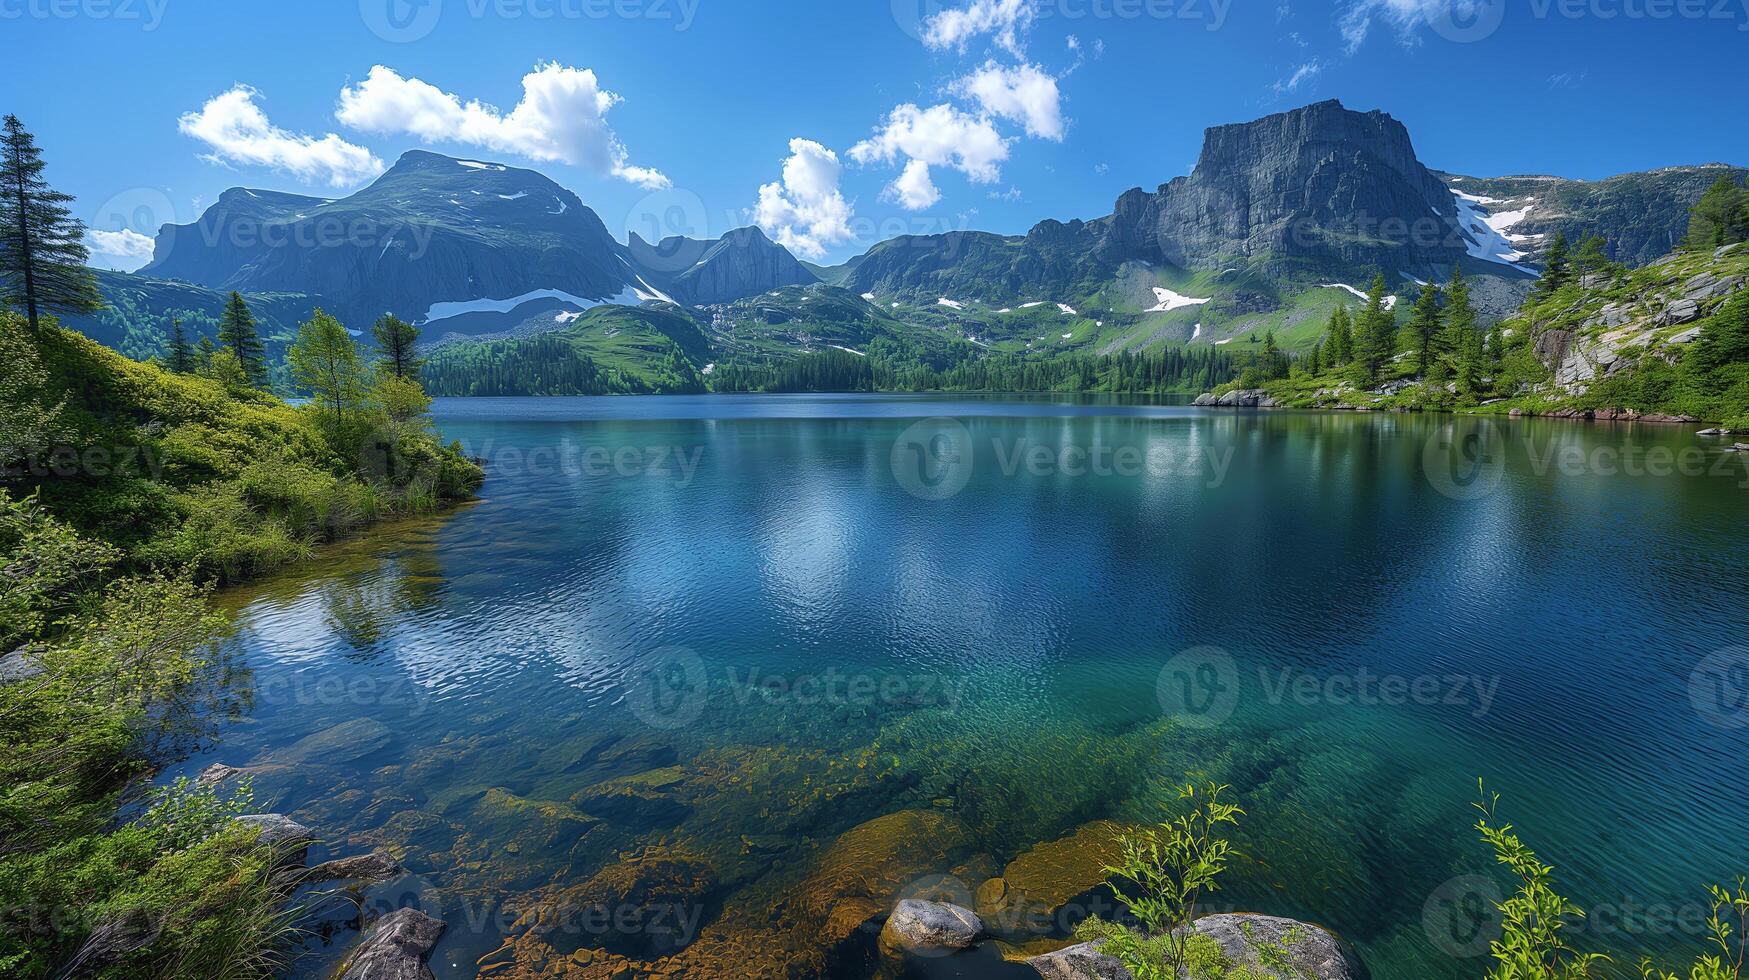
x=837, y=124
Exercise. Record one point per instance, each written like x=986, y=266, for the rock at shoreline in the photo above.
x=395, y=948
x=928, y=927
x=1252, y=398
x=1039, y=883
x=1255, y=941
x=373, y=868
x=284, y=835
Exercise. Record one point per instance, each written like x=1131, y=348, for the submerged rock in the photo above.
x=290, y=839
x=1263, y=943
x=375, y=867
x=395, y=948
x=1037, y=885
x=646, y=799
x=345, y=743
x=650, y=905
x=928, y=927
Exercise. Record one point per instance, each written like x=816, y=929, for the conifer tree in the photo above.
x=179, y=356
x=1376, y=333
x=237, y=332
x=398, y=340
x=1425, y=325
x=1555, y=268
x=1721, y=216
x=1341, y=337
x=42, y=254
x=1592, y=256
x=203, y=355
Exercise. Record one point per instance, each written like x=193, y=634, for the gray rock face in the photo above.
x=1247, y=940
x=395, y=948
x=742, y=263
x=1247, y=398
x=283, y=834
x=1679, y=311
x=929, y=927
x=374, y=867
x=19, y=665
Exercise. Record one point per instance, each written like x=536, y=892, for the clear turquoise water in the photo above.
x=1015, y=650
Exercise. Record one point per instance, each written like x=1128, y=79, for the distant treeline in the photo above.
x=542, y=365
x=1160, y=372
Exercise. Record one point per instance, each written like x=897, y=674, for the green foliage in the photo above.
x=1721, y=216
x=1161, y=876
x=33, y=419
x=397, y=340
x=324, y=361
x=237, y=332
x=1533, y=943
x=42, y=246
x=1727, y=929
x=178, y=355
x=1426, y=324
x=1375, y=338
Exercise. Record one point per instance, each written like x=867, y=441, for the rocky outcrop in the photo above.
x=742, y=263
x=374, y=868
x=395, y=948
x=1261, y=943
x=925, y=928
x=20, y=665
x=1250, y=398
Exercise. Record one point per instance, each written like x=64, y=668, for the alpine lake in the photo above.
x=700, y=685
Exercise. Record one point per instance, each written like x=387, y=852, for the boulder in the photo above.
x=1205, y=400
x=1038, y=885
x=219, y=774
x=19, y=665
x=926, y=928
x=375, y=868
x=646, y=799
x=1679, y=311
x=395, y=948
x=1263, y=944
x=1724, y=250
x=642, y=906
x=345, y=743
x=283, y=834
x=1686, y=336
x=1710, y=432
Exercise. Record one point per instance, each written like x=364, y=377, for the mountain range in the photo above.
x=1282, y=219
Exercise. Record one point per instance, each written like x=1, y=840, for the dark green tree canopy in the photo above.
x=42, y=254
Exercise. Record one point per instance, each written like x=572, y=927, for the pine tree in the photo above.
x=1555, y=269
x=1341, y=337
x=1425, y=324
x=42, y=259
x=1376, y=331
x=398, y=340
x=1496, y=349
x=1273, y=364
x=179, y=356
x=203, y=355
x=237, y=331
x=1315, y=360
x=1721, y=216
x=1592, y=256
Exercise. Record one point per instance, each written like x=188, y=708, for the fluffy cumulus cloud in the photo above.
x=1023, y=94
x=562, y=116
x=125, y=244
x=238, y=132
x=940, y=136
x=1407, y=16
x=805, y=212
x=1006, y=20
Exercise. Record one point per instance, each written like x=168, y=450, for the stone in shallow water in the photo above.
x=290, y=838
x=345, y=743
x=1266, y=944
x=395, y=948
x=646, y=799
x=1038, y=885
x=650, y=905
x=926, y=928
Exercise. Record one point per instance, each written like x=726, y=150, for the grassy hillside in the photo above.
x=608, y=350
x=126, y=493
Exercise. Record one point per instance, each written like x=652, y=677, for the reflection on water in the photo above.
x=774, y=689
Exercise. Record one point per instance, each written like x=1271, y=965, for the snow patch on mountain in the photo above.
x=1487, y=235
x=477, y=165
x=1067, y=309
x=519, y=195
x=1167, y=301
x=950, y=303
x=443, y=311
x=870, y=297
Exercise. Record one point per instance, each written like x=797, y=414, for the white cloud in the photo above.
x=239, y=132
x=805, y=212
x=562, y=116
x=126, y=243
x=1407, y=16
x=913, y=190
x=938, y=136
x=1301, y=75
x=1026, y=95
x=1007, y=20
